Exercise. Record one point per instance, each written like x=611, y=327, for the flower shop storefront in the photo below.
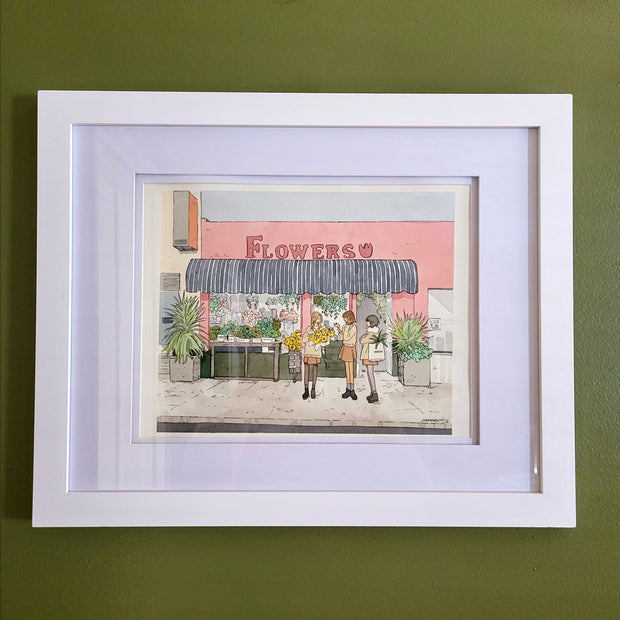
x=257, y=309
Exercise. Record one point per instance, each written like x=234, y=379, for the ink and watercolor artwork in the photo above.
x=308, y=308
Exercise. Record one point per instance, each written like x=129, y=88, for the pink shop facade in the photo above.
x=247, y=272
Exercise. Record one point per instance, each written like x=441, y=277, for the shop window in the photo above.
x=277, y=314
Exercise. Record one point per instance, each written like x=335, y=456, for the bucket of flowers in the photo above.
x=256, y=334
x=243, y=333
x=293, y=342
x=270, y=329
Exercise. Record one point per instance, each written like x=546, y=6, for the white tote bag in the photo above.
x=376, y=352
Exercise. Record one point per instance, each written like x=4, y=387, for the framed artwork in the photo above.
x=280, y=270
x=264, y=309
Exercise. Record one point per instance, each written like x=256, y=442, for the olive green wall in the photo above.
x=504, y=46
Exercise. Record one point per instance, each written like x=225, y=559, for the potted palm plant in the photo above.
x=410, y=338
x=185, y=344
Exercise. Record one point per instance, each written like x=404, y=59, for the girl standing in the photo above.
x=372, y=322
x=312, y=354
x=348, y=352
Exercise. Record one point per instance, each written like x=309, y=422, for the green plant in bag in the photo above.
x=380, y=338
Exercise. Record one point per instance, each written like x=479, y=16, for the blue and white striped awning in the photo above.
x=211, y=275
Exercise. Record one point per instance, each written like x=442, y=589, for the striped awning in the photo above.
x=211, y=275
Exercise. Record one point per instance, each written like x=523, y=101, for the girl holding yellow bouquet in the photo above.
x=312, y=353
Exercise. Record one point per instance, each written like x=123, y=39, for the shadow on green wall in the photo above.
x=19, y=239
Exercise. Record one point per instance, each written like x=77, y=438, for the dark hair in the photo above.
x=348, y=316
x=373, y=320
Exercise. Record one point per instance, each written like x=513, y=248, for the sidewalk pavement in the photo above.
x=233, y=405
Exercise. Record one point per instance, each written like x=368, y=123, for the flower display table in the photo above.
x=275, y=346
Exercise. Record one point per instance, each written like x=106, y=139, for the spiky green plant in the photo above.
x=380, y=338
x=410, y=336
x=185, y=334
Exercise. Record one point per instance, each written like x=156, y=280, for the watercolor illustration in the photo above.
x=315, y=308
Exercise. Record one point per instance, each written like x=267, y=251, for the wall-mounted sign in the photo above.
x=315, y=251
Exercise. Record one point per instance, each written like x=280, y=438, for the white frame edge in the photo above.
x=54, y=505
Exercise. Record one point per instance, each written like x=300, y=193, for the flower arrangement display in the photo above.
x=251, y=317
x=291, y=300
x=255, y=332
x=229, y=329
x=289, y=315
x=265, y=328
x=252, y=300
x=293, y=342
x=332, y=305
x=269, y=327
x=244, y=332
x=219, y=304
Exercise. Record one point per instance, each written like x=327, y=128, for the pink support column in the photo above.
x=353, y=303
x=205, y=298
x=304, y=323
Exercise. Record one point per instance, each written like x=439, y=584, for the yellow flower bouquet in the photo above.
x=322, y=336
x=293, y=342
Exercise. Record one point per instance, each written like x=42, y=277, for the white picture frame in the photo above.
x=543, y=231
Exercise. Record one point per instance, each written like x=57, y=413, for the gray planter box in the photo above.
x=415, y=373
x=187, y=371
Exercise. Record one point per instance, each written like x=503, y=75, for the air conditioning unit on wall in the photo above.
x=185, y=221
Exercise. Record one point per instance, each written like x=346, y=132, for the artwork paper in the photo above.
x=262, y=260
